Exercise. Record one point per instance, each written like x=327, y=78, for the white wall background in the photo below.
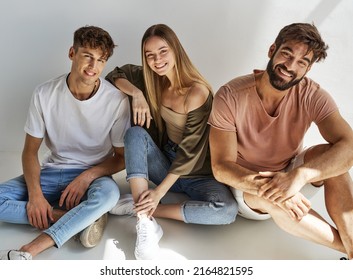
x=224, y=38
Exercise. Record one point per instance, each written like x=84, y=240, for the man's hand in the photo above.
x=297, y=206
x=74, y=192
x=39, y=213
x=281, y=187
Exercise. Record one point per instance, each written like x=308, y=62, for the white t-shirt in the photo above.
x=79, y=134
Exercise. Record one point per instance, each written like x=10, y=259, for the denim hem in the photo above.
x=52, y=236
x=182, y=206
x=137, y=175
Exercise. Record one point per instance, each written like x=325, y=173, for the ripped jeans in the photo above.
x=100, y=197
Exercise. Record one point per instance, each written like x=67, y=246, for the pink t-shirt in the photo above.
x=267, y=143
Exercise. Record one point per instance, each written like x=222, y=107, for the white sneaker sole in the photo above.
x=125, y=198
x=91, y=236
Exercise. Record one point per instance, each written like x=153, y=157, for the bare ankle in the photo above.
x=57, y=214
x=38, y=245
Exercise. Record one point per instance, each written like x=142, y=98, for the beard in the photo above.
x=276, y=81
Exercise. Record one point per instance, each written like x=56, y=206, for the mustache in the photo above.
x=283, y=67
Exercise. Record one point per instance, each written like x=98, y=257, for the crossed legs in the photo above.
x=339, y=204
x=311, y=227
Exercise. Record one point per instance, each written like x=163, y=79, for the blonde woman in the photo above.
x=176, y=157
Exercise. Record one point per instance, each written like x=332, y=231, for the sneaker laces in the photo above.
x=142, y=232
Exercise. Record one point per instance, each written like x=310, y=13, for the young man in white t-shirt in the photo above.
x=258, y=123
x=82, y=119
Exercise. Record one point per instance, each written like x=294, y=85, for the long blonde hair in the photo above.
x=185, y=72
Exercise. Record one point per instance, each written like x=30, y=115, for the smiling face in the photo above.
x=159, y=56
x=288, y=64
x=87, y=64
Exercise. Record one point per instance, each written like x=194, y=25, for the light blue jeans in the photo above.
x=101, y=196
x=211, y=203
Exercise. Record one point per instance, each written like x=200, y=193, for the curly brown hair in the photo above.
x=94, y=37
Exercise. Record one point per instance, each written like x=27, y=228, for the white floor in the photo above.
x=242, y=240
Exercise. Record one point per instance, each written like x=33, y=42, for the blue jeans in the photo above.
x=210, y=203
x=101, y=196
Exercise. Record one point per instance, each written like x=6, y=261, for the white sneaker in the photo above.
x=92, y=234
x=14, y=255
x=148, y=235
x=125, y=206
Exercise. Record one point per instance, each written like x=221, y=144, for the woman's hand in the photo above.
x=141, y=110
x=147, y=203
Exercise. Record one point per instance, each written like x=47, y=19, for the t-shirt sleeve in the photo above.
x=222, y=116
x=35, y=125
x=321, y=105
x=121, y=124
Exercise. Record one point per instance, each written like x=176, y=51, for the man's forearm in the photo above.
x=31, y=172
x=108, y=167
x=238, y=177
